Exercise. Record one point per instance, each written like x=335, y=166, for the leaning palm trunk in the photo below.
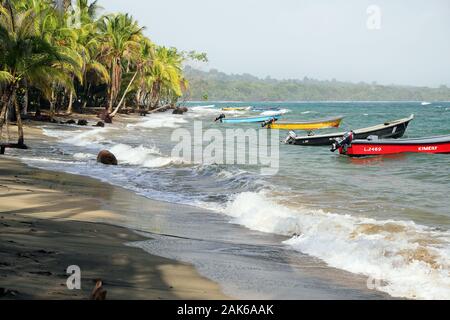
x=157, y=109
x=124, y=95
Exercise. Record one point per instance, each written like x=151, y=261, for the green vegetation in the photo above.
x=65, y=57
x=219, y=86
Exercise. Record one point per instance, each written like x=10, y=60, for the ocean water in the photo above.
x=386, y=218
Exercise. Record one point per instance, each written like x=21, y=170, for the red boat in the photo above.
x=374, y=146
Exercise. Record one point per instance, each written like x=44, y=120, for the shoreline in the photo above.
x=167, y=225
x=41, y=236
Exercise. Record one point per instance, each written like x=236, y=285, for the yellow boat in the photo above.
x=306, y=125
x=236, y=109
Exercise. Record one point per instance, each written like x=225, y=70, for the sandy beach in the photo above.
x=43, y=230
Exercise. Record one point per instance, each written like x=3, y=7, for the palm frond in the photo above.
x=6, y=77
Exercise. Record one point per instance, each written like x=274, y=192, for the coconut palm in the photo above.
x=120, y=44
x=144, y=63
x=88, y=45
x=25, y=55
x=166, y=75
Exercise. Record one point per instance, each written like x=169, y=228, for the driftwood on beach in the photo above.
x=3, y=146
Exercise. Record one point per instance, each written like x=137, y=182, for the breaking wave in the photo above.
x=143, y=156
x=160, y=121
x=275, y=112
x=409, y=260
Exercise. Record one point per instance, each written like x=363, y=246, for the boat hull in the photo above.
x=307, y=126
x=249, y=120
x=393, y=130
x=360, y=148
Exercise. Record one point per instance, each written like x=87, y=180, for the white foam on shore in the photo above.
x=80, y=138
x=84, y=156
x=201, y=108
x=143, y=156
x=275, y=112
x=410, y=260
x=163, y=120
x=149, y=157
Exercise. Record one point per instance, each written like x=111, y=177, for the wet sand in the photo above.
x=44, y=229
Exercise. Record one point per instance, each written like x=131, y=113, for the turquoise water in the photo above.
x=387, y=218
x=399, y=187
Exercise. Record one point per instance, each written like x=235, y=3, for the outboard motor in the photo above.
x=268, y=122
x=345, y=141
x=220, y=118
x=290, y=138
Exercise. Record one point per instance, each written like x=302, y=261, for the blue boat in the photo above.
x=223, y=119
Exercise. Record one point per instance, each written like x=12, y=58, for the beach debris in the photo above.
x=82, y=122
x=3, y=147
x=180, y=110
x=105, y=116
x=98, y=294
x=107, y=158
x=100, y=124
x=142, y=112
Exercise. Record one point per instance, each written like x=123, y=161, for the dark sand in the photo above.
x=40, y=237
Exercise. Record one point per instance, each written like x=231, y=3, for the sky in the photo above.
x=404, y=42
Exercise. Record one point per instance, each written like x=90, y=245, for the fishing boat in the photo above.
x=305, y=125
x=375, y=146
x=393, y=129
x=237, y=109
x=222, y=118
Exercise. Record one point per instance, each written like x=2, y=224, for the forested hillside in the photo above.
x=215, y=85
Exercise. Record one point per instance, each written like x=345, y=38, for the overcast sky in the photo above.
x=315, y=38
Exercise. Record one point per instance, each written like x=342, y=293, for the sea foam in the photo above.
x=143, y=156
x=275, y=112
x=160, y=121
x=403, y=258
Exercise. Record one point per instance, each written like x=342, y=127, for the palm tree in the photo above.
x=143, y=67
x=24, y=55
x=121, y=37
x=166, y=75
x=88, y=45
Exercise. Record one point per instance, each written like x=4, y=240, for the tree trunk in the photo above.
x=70, y=106
x=115, y=83
x=20, y=141
x=124, y=95
x=5, y=104
x=52, y=103
x=138, y=98
x=26, y=99
x=86, y=97
x=157, y=109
